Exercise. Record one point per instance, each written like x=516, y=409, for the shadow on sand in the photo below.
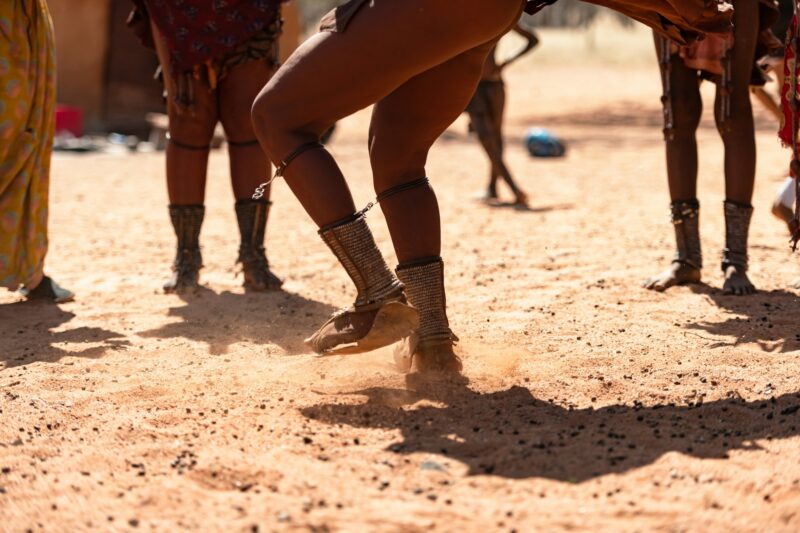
x=767, y=318
x=222, y=319
x=627, y=115
x=512, y=434
x=523, y=208
x=26, y=330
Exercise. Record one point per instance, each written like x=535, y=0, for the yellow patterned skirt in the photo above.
x=27, y=116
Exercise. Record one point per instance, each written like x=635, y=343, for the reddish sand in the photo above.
x=592, y=404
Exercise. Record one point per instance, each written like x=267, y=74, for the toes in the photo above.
x=654, y=284
x=657, y=284
x=738, y=289
x=727, y=289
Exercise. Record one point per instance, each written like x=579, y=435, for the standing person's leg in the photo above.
x=191, y=128
x=333, y=75
x=479, y=118
x=734, y=116
x=497, y=102
x=486, y=113
x=682, y=109
x=249, y=167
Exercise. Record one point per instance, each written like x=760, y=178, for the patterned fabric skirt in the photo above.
x=263, y=46
x=27, y=123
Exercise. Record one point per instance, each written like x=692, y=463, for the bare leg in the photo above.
x=249, y=167
x=683, y=95
x=480, y=123
x=330, y=76
x=738, y=135
x=404, y=126
x=333, y=75
x=191, y=130
x=237, y=91
x=497, y=102
x=486, y=113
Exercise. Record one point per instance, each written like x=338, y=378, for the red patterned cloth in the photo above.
x=197, y=31
x=790, y=123
x=788, y=129
x=680, y=20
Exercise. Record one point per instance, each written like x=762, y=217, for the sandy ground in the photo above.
x=592, y=404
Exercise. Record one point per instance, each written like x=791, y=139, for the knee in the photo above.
x=195, y=127
x=736, y=121
x=685, y=117
x=266, y=117
x=394, y=163
x=236, y=121
x=275, y=125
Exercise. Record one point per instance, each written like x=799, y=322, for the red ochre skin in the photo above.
x=419, y=62
x=228, y=103
x=486, y=112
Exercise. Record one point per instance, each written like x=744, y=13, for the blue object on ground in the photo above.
x=542, y=143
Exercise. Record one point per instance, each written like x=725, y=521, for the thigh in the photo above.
x=388, y=42
x=681, y=89
x=742, y=55
x=407, y=122
x=423, y=107
x=237, y=91
x=193, y=124
x=684, y=85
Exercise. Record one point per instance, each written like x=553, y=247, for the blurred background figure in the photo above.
x=27, y=115
x=732, y=64
x=213, y=62
x=486, y=110
x=783, y=205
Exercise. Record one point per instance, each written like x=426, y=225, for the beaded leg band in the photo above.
x=188, y=146
x=252, y=218
x=431, y=346
x=737, y=228
x=353, y=245
x=187, y=221
x=380, y=315
x=424, y=283
x=685, y=216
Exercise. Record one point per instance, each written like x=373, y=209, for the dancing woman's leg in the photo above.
x=335, y=74
x=404, y=126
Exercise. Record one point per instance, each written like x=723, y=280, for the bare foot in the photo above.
x=521, y=199
x=676, y=274
x=488, y=198
x=795, y=284
x=737, y=282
